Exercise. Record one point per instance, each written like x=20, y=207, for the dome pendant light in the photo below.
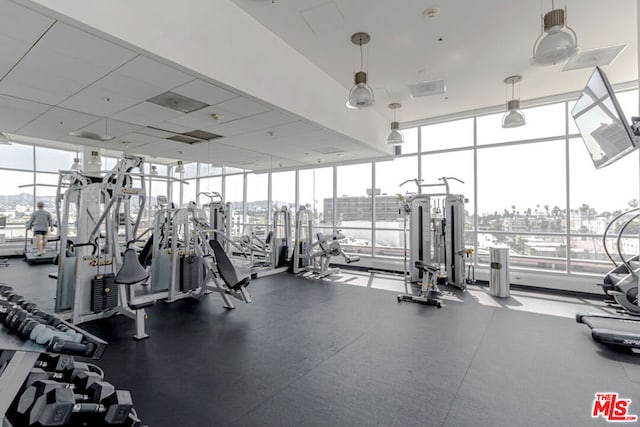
x=513, y=118
x=95, y=159
x=361, y=94
x=395, y=137
x=75, y=166
x=180, y=168
x=557, y=41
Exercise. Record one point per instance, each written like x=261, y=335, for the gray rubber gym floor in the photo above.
x=317, y=353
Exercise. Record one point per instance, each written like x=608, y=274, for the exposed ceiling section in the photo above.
x=60, y=83
x=471, y=45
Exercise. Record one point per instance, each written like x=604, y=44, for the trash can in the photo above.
x=499, y=274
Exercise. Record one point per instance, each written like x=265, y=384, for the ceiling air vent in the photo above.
x=194, y=137
x=421, y=89
x=594, y=57
x=177, y=102
x=200, y=134
x=185, y=139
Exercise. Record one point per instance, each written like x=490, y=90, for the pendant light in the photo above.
x=361, y=94
x=513, y=118
x=154, y=170
x=95, y=159
x=180, y=168
x=75, y=166
x=557, y=41
x=395, y=137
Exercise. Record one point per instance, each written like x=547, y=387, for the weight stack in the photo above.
x=104, y=292
x=191, y=273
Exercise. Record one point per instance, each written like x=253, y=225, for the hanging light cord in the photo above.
x=361, y=56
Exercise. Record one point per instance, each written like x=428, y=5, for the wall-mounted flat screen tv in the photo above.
x=601, y=122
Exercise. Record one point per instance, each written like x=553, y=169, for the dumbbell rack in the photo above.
x=26, y=353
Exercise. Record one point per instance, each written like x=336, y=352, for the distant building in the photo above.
x=358, y=208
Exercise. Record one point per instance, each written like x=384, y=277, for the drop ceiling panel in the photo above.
x=22, y=24
x=57, y=122
x=157, y=133
x=128, y=87
x=271, y=119
x=38, y=86
x=202, y=118
x=11, y=51
x=87, y=48
x=172, y=127
x=154, y=73
x=146, y=113
x=137, y=138
x=16, y=113
x=94, y=100
x=205, y=92
x=243, y=107
x=114, y=128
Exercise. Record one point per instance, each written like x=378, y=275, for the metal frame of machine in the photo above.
x=91, y=244
x=315, y=257
x=436, y=238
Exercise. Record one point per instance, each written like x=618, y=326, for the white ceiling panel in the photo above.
x=263, y=121
x=272, y=119
x=22, y=24
x=137, y=138
x=114, y=128
x=11, y=51
x=154, y=73
x=16, y=113
x=83, y=46
x=101, y=102
x=204, y=92
x=202, y=118
x=243, y=107
x=38, y=86
x=128, y=87
x=57, y=122
x=172, y=127
x=146, y=113
x=156, y=133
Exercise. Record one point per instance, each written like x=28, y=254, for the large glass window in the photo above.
x=51, y=160
x=522, y=187
x=542, y=122
x=354, y=206
x=257, y=203
x=233, y=193
x=388, y=217
x=316, y=193
x=16, y=156
x=410, y=145
x=447, y=135
x=16, y=203
x=283, y=189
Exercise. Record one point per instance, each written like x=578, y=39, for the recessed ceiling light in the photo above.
x=339, y=154
x=431, y=12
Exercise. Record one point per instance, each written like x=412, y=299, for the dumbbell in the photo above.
x=58, y=345
x=55, y=362
x=81, y=375
x=46, y=404
x=43, y=334
x=5, y=288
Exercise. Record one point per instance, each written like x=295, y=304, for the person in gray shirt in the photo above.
x=41, y=222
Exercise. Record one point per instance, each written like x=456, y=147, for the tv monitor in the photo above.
x=601, y=122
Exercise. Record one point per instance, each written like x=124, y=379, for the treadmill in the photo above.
x=611, y=329
x=31, y=253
